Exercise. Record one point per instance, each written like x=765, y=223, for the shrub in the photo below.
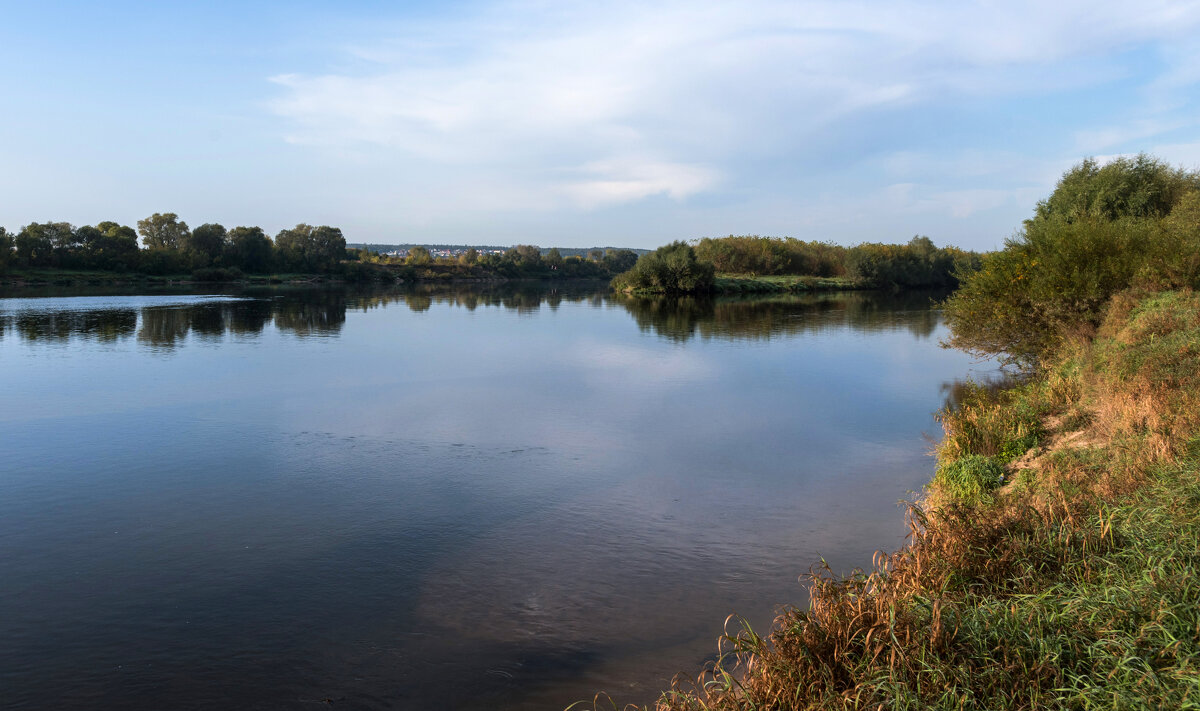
x=672, y=269
x=1103, y=230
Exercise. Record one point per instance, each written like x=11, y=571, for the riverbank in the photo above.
x=69, y=277
x=1054, y=564
x=732, y=284
x=39, y=278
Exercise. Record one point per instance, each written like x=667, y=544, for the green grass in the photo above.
x=970, y=478
x=756, y=284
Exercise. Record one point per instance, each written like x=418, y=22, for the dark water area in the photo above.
x=509, y=497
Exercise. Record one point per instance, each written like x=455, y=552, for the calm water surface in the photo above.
x=510, y=498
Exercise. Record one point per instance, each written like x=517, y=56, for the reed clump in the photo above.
x=1055, y=563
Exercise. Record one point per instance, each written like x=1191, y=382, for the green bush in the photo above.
x=751, y=254
x=672, y=269
x=1104, y=230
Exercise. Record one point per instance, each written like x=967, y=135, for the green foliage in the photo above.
x=6, y=249
x=1001, y=424
x=1104, y=230
x=525, y=257
x=918, y=264
x=218, y=274
x=970, y=479
x=752, y=254
x=310, y=249
x=418, y=257
x=1141, y=187
x=164, y=231
x=672, y=269
x=111, y=246
x=249, y=249
x=208, y=243
x=44, y=244
x=162, y=261
x=617, y=261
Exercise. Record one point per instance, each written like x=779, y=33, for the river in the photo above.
x=507, y=497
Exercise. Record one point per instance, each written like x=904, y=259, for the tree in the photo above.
x=672, y=269
x=1101, y=231
x=617, y=261
x=1141, y=187
x=111, y=246
x=6, y=249
x=163, y=231
x=248, y=249
x=35, y=243
x=309, y=248
x=525, y=255
x=208, y=242
x=469, y=257
x=327, y=247
x=418, y=257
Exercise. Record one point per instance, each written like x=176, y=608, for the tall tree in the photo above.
x=311, y=248
x=207, y=242
x=39, y=244
x=249, y=249
x=6, y=249
x=116, y=247
x=163, y=231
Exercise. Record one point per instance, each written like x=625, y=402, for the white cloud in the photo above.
x=616, y=181
x=573, y=105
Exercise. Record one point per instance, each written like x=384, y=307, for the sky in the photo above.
x=578, y=124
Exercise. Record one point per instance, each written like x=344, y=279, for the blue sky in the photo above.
x=581, y=123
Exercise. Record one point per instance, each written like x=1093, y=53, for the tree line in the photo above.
x=169, y=246
x=521, y=261
x=917, y=264
x=683, y=268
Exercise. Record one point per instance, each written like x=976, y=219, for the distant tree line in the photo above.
x=917, y=264
x=521, y=261
x=169, y=246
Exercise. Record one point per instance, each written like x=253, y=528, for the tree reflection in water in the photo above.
x=307, y=313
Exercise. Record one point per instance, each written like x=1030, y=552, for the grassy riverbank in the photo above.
x=1055, y=564
x=1055, y=560
x=782, y=284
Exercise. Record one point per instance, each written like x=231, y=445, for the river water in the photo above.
x=502, y=498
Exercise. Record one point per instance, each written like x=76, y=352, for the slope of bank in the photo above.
x=1054, y=564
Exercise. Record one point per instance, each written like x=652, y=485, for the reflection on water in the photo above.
x=504, y=496
x=752, y=318
x=314, y=313
x=166, y=326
